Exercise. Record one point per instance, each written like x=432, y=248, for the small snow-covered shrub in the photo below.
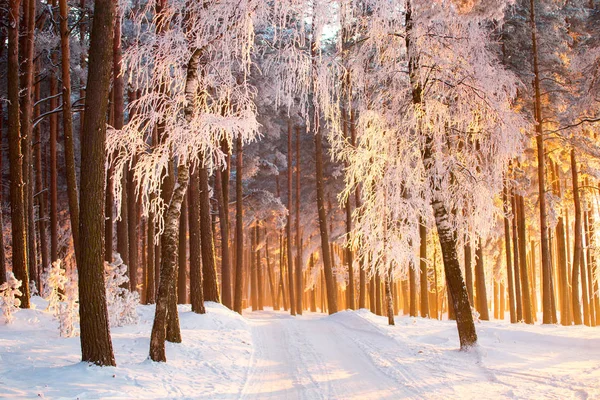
x=63, y=299
x=33, y=290
x=9, y=292
x=68, y=314
x=122, y=304
x=54, y=284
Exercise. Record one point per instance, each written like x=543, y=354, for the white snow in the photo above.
x=350, y=355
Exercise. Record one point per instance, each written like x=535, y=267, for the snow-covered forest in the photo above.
x=300, y=199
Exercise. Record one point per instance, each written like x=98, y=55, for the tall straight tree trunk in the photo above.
x=423, y=265
x=53, y=159
x=412, y=284
x=223, y=207
x=209, y=267
x=517, y=274
x=27, y=86
x=2, y=249
x=253, y=273
x=40, y=197
x=362, y=283
x=132, y=210
x=96, y=346
x=482, y=303
x=589, y=260
x=527, y=307
x=565, y=312
x=299, y=278
x=259, y=274
x=378, y=299
x=509, y=267
x=123, y=245
x=182, y=258
x=330, y=282
x=196, y=289
x=577, y=247
x=288, y=227
x=272, y=285
x=150, y=261
x=17, y=199
x=239, y=228
x=546, y=265
x=68, y=120
x=469, y=269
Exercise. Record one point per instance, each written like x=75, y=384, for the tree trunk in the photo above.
x=577, y=247
x=565, y=312
x=527, y=308
x=412, y=284
x=132, y=229
x=209, y=267
x=68, y=118
x=509, y=267
x=469, y=269
x=168, y=267
x=41, y=200
x=27, y=85
x=239, y=228
x=196, y=289
x=150, y=262
x=223, y=208
x=482, y=303
x=96, y=346
x=2, y=243
x=17, y=199
x=423, y=265
x=288, y=227
x=259, y=274
x=299, y=278
x=546, y=266
x=53, y=160
x=272, y=285
x=182, y=258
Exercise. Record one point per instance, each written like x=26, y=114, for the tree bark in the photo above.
x=196, y=288
x=239, y=227
x=182, y=258
x=68, y=120
x=17, y=199
x=96, y=346
x=209, y=267
x=288, y=227
x=546, y=265
x=469, y=269
x=53, y=160
x=509, y=267
x=423, y=265
x=259, y=274
x=527, y=307
x=299, y=277
x=577, y=247
x=325, y=250
x=223, y=208
x=482, y=303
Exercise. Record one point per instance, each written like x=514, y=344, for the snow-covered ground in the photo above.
x=272, y=355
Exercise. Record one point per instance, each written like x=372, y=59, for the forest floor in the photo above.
x=314, y=356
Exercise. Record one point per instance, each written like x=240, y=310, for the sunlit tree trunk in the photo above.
x=469, y=269
x=182, y=256
x=259, y=271
x=565, y=312
x=577, y=247
x=288, y=227
x=299, y=278
x=96, y=346
x=482, y=303
x=209, y=266
x=223, y=208
x=509, y=267
x=527, y=306
x=423, y=264
x=239, y=228
x=53, y=159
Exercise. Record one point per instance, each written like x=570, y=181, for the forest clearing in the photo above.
x=300, y=199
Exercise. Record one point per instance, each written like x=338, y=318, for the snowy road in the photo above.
x=354, y=355
x=312, y=357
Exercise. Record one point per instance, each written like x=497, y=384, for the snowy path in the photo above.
x=311, y=357
x=354, y=355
